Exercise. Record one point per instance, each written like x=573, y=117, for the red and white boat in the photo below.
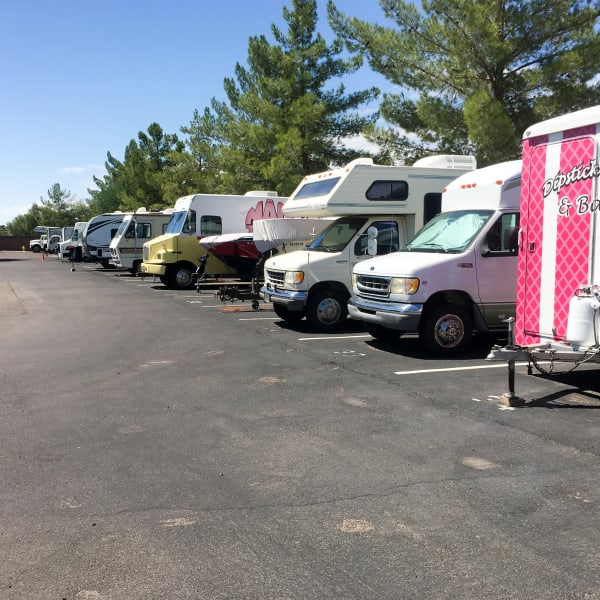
x=236, y=250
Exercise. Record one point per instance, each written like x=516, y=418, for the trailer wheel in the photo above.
x=447, y=329
x=327, y=310
x=284, y=313
x=383, y=333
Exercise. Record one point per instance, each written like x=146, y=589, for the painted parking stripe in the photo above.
x=448, y=369
x=334, y=337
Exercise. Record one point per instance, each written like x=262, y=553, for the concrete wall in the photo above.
x=16, y=242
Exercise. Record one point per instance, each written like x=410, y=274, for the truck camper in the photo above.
x=457, y=275
x=127, y=247
x=175, y=255
x=97, y=235
x=376, y=209
x=558, y=278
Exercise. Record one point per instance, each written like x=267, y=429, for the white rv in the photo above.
x=378, y=208
x=97, y=235
x=127, y=247
x=175, y=256
x=457, y=275
x=71, y=248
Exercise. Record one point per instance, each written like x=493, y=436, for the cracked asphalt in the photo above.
x=157, y=443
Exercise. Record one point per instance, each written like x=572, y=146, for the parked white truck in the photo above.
x=457, y=276
x=137, y=228
x=71, y=247
x=379, y=209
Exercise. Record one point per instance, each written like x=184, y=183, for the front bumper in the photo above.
x=152, y=269
x=404, y=317
x=294, y=301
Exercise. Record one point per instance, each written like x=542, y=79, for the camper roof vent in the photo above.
x=363, y=160
x=261, y=193
x=141, y=209
x=448, y=161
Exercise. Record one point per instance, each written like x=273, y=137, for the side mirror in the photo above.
x=372, y=233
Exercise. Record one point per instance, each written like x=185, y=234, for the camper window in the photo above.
x=432, y=206
x=501, y=239
x=388, y=190
x=317, y=188
x=144, y=231
x=130, y=233
x=210, y=225
x=190, y=222
x=387, y=239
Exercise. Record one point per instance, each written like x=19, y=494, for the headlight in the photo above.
x=404, y=285
x=354, y=279
x=293, y=277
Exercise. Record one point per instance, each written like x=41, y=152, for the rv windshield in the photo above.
x=182, y=221
x=449, y=232
x=317, y=188
x=336, y=236
x=122, y=229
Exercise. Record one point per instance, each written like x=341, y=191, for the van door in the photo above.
x=391, y=233
x=496, y=269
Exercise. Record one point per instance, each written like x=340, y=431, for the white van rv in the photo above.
x=175, y=256
x=377, y=207
x=127, y=247
x=71, y=248
x=97, y=235
x=457, y=276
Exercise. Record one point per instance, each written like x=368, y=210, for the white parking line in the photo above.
x=473, y=368
x=334, y=337
x=259, y=319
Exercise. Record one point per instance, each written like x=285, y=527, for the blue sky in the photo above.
x=81, y=78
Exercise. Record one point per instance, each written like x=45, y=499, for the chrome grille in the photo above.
x=275, y=277
x=373, y=286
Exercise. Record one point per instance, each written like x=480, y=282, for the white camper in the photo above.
x=175, y=256
x=97, y=235
x=127, y=247
x=457, y=275
x=558, y=279
x=72, y=247
x=377, y=207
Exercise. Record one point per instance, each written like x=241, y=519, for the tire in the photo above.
x=382, y=333
x=163, y=279
x=327, y=310
x=136, y=268
x=284, y=313
x=35, y=249
x=180, y=276
x=447, y=330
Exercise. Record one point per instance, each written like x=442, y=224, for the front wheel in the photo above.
x=382, y=333
x=284, y=313
x=447, y=329
x=180, y=275
x=327, y=310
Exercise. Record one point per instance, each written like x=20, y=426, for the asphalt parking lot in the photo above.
x=158, y=443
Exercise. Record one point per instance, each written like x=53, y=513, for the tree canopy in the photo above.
x=474, y=75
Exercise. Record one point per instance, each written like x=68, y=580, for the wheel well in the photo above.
x=184, y=264
x=334, y=286
x=461, y=298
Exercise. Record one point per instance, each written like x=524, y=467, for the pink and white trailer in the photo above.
x=558, y=280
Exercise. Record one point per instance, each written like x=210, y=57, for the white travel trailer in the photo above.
x=378, y=208
x=175, y=256
x=127, y=247
x=97, y=235
x=457, y=275
x=558, y=279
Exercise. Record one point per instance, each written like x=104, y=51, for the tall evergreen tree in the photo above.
x=287, y=113
x=475, y=74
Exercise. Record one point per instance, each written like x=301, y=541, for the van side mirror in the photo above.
x=372, y=241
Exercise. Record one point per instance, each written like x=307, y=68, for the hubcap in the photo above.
x=449, y=331
x=183, y=278
x=328, y=311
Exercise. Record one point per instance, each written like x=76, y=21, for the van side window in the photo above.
x=432, y=205
x=388, y=190
x=388, y=239
x=210, y=225
x=130, y=233
x=190, y=222
x=144, y=231
x=501, y=239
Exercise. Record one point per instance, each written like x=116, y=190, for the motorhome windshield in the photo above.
x=449, y=232
x=182, y=221
x=336, y=236
x=317, y=188
x=122, y=228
